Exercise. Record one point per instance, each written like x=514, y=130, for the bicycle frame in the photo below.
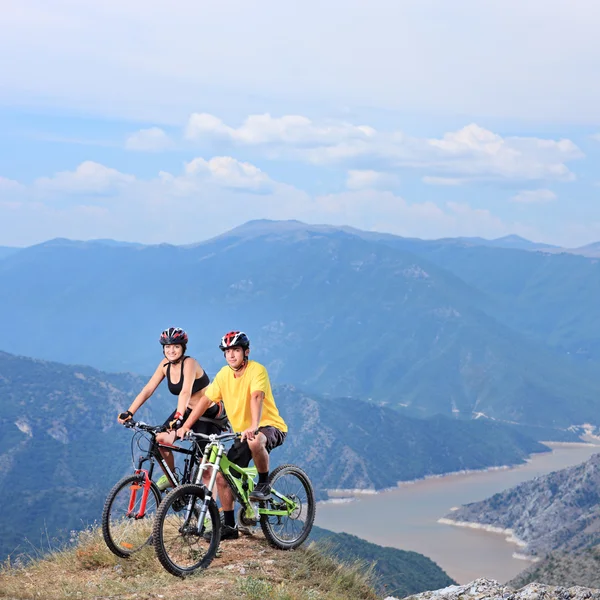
x=151, y=456
x=241, y=485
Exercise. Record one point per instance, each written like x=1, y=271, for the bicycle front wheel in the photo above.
x=180, y=544
x=292, y=492
x=124, y=528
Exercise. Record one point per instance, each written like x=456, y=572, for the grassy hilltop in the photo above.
x=335, y=566
x=248, y=568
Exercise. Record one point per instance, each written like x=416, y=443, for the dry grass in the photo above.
x=247, y=568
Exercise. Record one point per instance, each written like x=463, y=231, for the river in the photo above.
x=406, y=517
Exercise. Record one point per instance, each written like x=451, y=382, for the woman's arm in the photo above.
x=147, y=390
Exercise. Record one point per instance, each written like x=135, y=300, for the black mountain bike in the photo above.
x=133, y=501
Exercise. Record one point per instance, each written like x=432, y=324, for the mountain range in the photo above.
x=424, y=327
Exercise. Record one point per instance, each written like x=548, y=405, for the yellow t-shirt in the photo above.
x=236, y=393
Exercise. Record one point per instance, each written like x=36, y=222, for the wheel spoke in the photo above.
x=291, y=530
x=179, y=545
x=123, y=533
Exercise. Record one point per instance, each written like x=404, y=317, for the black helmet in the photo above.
x=234, y=339
x=174, y=335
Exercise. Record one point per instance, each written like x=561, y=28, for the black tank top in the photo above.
x=175, y=388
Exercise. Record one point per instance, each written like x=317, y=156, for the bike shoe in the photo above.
x=261, y=493
x=227, y=533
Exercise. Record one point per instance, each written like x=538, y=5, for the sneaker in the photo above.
x=227, y=533
x=163, y=483
x=261, y=492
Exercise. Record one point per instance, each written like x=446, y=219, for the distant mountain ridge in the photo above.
x=418, y=326
x=7, y=251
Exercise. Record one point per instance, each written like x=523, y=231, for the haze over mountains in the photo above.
x=426, y=327
x=393, y=358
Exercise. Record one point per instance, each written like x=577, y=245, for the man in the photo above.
x=245, y=390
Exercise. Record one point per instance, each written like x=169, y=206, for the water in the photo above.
x=406, y=517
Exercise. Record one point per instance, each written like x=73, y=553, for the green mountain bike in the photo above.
x=186, y=530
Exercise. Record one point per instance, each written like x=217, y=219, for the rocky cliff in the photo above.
x=558, y=511
x=486, y=589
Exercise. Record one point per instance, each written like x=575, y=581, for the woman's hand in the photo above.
x=125, y=416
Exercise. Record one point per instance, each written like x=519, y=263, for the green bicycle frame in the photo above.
x=241, y=482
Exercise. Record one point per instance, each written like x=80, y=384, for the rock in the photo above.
x=488, y=589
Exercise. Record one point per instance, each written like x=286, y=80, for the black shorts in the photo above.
x=240, y=453
x=199, y=426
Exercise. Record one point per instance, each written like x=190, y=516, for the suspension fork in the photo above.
x=145, y=491
x=147, y=473
x=216, y=453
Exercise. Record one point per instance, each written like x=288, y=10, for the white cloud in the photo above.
x=469, y=154
x=210, y=196
x=153, y=139
x=367, y=179
x=88, y=178
x=534, y=197
x=230, y=173
x=265, y=129
x=9, y=185
x=447, y=181
x=386, y=212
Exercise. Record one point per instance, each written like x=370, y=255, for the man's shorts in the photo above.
x=198, y=427
x=240, y=453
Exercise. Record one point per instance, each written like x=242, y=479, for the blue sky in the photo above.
x=145, y=122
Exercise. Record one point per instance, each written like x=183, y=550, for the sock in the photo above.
x=229, y=516
x=263, y=477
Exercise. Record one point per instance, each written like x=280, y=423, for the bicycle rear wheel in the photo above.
x=180, y=545
x=123, y=529
x=291, y=483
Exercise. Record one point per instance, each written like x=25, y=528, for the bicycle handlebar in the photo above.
x=131, y=424
x=213, y=437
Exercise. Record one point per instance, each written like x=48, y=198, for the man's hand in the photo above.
x=125, y=416
x=182, y=432
x=249, y=434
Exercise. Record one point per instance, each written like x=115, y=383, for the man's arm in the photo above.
x=256, y=405
x=198, y=410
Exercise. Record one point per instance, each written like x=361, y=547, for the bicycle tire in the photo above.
x=124, y=535
x=288, y=532
x=179, y=547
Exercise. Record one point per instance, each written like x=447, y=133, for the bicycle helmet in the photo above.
x=174, y=335
x=234, y=339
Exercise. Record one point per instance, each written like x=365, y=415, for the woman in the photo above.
x=187, y=380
